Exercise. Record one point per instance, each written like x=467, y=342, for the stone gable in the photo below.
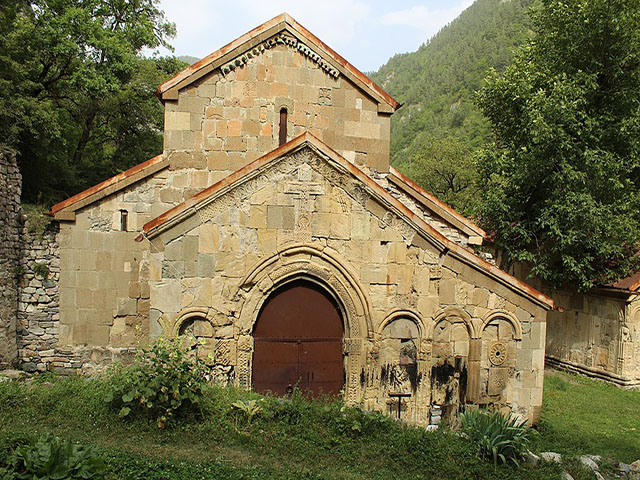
x=198, y=240
x=226, y=120
x=304, y=216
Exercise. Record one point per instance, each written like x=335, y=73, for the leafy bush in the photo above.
x=164, y=380
x=50, y=458
x=499, y=437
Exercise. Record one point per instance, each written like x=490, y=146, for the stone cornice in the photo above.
x=280, y=39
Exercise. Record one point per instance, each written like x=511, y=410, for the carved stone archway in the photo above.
x=324, y=267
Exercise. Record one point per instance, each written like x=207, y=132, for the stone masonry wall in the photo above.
x=210, y=273
x=10, y=189
x=222, y=122
x=38, y=307
x=595, y=335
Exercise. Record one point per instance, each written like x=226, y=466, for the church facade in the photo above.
x=273, y=229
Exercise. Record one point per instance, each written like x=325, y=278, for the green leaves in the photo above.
x=50, y=458
x=560, y=181
x=165, y=380
x=249, y=409
x=445, y=168
x=76, y=97
x=498, y=437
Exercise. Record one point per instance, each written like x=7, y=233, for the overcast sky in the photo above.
x=365, y=32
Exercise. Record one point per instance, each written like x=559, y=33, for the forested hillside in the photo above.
x=436, y=83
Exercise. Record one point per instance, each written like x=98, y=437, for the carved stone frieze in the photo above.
x=290, y=41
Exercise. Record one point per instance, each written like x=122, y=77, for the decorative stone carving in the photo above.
x=222, y=374
x=324, y=96
x=498, y=379
x=498, y=353
x=225, y=352
x=351, y=345
x=387, y=220
x=282, y=39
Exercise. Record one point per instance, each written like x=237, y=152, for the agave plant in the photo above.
x=496, y=436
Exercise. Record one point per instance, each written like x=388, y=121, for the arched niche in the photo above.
x=453, y=329
x=501, y=333
x=399, y=369
x=324, y=267
x=196, y=322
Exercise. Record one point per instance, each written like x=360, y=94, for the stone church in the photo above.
x=273, y=229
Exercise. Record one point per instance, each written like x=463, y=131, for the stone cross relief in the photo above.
x=303, y=190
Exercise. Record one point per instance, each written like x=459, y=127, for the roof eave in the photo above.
x=66, y=209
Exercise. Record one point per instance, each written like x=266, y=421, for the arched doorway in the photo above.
x=298, y=342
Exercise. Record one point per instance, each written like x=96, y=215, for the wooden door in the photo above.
x=298, y=342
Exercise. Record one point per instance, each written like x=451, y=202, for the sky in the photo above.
x=365, y=32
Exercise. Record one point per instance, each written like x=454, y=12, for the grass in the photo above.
x=583, y=416
x=293, y=439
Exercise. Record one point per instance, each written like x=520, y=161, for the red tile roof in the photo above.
x=433, y=203
x=112, y=182
x=631, y=283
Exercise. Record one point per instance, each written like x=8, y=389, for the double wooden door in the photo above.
x=298, y=342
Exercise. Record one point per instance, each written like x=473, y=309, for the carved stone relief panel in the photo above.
x=449, y=366
x=497, y=360
x=398, y=368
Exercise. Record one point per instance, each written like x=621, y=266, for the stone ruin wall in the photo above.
x=595, y=335
x=38, y=305
x=10, y=189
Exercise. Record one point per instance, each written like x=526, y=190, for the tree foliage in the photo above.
x=76, y=96
x=445, y=168
x=437, y=82
x=560, y=182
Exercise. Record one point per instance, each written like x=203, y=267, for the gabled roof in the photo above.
x=283, y=22
x=631, y=283
x=189, y=207
x=66, y=209
x=431, y=202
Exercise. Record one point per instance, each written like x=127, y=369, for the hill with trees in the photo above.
x=436, y=83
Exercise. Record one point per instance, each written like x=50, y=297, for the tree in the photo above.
x=560, y=181
x=75, y=92
x=446, y=169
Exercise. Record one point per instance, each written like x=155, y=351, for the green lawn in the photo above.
x=296, y=439
x=583, y=416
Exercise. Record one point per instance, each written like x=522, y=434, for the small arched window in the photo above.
x=124, y=220
x=283, y=126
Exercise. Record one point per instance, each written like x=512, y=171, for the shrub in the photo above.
x=50, y=458
x=498, y=437
x=164, y=380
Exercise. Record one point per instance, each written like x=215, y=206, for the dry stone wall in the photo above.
x=38, y=308
x=10, y=189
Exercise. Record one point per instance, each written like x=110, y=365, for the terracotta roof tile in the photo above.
x=69, y=203
x=631, y=283
x=435, y=204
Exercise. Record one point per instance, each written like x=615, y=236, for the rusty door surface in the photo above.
x=298, y=341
